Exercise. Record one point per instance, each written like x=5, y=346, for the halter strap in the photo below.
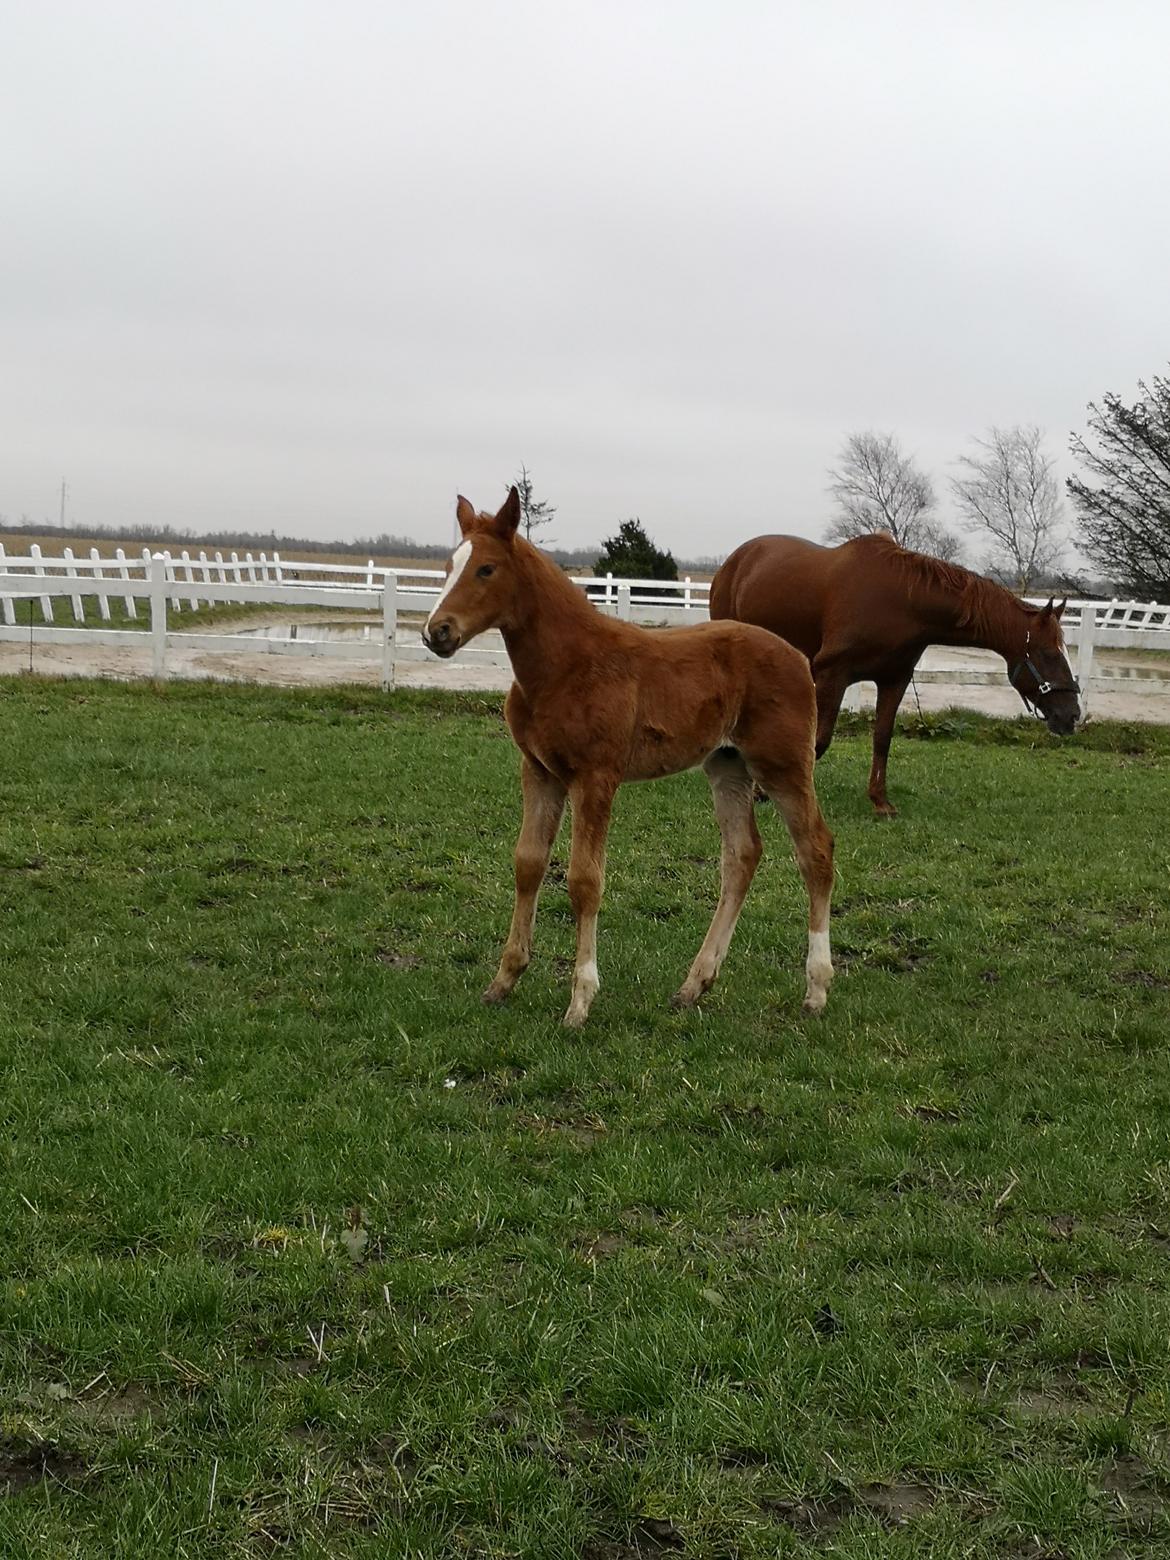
x=1043, y=688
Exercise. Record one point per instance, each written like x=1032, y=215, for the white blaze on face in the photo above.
x=458, y=563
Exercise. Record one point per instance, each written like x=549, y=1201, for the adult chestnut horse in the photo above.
x=866, y=610
x=596, y=702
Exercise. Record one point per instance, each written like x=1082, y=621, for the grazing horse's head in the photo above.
x=481, y=578
x=1041, y=675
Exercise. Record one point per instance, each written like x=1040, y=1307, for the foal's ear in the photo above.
x=465, y=514
x=1059, y=611
x=508, y=517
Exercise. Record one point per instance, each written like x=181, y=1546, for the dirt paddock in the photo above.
x=1128, y=701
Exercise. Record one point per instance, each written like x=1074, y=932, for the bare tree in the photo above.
x=878, y=488
x=1123, y=500
x=533, y=512
x=1010, y=495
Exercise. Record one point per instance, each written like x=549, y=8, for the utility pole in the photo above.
x=63, y=491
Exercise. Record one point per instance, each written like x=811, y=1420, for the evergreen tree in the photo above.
x=631, y=555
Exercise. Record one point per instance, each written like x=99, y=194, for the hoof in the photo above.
x=813, y=1007
x=681, y=999
x=884, y=810
x=574, y=1019
x=495, y=995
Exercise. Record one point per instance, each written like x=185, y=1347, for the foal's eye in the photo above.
x=484, y=570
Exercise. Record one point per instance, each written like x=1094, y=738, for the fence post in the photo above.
x=97, y=564
x=34, y=553
x=624, y=602
x=609, y=596
x=687, y=592
x=172, y=575
x=9, y=607
x=389, y=627
x=277, y=567
x=124, y=573
x=193, y=604
x=158, y=614
x=75, y=601
x=1085, y=654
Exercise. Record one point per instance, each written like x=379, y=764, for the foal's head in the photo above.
x=1041, y=675
x=481, y=578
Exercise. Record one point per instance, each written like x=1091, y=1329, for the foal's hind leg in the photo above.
x=544, y=806
x=592, y=804
x=731, y=791
x=790, y=785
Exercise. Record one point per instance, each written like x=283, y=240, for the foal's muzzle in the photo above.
x=442, y=638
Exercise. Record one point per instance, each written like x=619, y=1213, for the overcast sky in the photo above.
x=317, y=267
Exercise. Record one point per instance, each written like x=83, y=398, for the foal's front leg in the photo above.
x=544, y=806
x=592, y=804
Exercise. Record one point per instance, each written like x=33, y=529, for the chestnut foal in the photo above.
x=596, y=702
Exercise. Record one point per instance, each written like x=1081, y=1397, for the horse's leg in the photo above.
x=731, y=791
x=889, y=697
x=592, y=802
x=831, y=682
x=544, y=806
x=790, y=785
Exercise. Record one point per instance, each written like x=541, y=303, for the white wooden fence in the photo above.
x=171, y=583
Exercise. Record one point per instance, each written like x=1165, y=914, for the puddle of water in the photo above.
x=351, y=631
x=1136, y=673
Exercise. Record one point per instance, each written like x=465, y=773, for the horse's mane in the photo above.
x=988, y=609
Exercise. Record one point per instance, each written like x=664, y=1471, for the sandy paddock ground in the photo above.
x=1129, y=703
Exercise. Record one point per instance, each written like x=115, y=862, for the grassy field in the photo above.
x=306, y=1252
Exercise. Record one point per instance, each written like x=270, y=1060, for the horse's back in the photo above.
x=779, y=583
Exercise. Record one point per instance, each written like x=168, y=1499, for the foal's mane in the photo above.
x=986, y=608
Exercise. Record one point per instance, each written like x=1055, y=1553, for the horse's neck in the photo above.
x=555, y=625
x=991, y=619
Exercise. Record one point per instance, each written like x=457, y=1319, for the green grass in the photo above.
x=307, y=1252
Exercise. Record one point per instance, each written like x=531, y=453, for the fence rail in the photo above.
x=174, y=583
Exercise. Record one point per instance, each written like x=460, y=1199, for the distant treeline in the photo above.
x=384, y=545
x=249, y=541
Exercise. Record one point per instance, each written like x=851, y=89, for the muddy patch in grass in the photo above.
x=118, y=1405
x=894, y=1505
x=394, y=960
x=1145, y=979
x=1139, y=1499
x=1054, y=1400
x=582, y=1131
x=595, y=1248
x=652, y=1536
x=23, y=1463
x=750, y=1232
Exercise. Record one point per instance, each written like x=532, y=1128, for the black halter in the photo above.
x=1043, y=688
